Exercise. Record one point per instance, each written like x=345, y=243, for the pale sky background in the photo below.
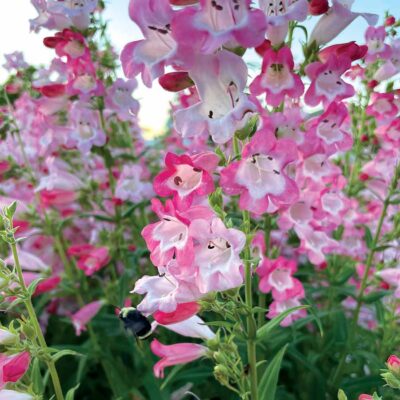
x=15, y=35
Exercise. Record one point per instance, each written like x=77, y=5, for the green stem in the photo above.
x=364, y=280
x=262, y=299
x=251, y=323
x=35, y=323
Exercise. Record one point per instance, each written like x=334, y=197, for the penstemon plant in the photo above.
x=250, y=252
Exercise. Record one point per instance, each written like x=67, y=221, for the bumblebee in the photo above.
x=135, y=322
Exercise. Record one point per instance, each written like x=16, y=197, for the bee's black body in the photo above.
x=135, y=322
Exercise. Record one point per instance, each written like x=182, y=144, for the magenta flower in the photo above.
x=82, y=317
x=217, y=255
x=13, y=367
x=150, y=55
x=186, y=178
x=383, y=106
x=279, y=13
x=223, y=108
x=326, y=82
x=276, y=277
x=260, y=178
x=174, y=354
x=277, y=78
x=338, y=17
x=218, y=23
x=377, y=48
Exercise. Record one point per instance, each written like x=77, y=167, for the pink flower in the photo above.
x=47, y=285
x=175, y=81
x=186, y=178
x=82, y=317
x=338, y=17
x=69, y=44
x=375, y=38
x=279, y=13
x=132, y=186
x=326, y=82
x=365, y=397
x=57, y=197
x=164, y=293
x=391, y=66
x=219, y=23
x=94, y=260
x=169, y=238
x=278, y=307
x=179, y=353
x=217, y=255
x=260, y=177
x=276, y=277
x=223, y=108
x=13, y=367
x=119, y=98
x=383, y=106
x=150, y=55
x=392, y=277
x=330, y=135
x=182, y=312
x=15, y=60
x=277, y=78
x=393, y=364
x=350, y=49
x=86, y=131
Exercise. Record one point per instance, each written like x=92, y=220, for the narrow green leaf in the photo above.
x=64, y=353
x=36, y=377
x=269, y=381
x=265, y=331
x=71, y=393
x=341, y=395
x=368, y=237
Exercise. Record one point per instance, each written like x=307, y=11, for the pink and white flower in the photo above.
x=260, y=178
x=186, y=178
x=277, y=78
x=326, y=82
x=223, y=108
x=174, y=354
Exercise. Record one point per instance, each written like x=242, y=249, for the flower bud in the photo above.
x=391, y=380
x=390, y=20
x=6, y=337
x=318, y=7
x=393, y=364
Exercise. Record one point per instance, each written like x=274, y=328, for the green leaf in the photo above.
x=368, y=237
x=265, y=331
x=71, y=393
x=36, y=377
x=341, y=395
x=269, y=381
x=10, y=210
x=32, y=287
x=64, y=353
x=376, y=296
